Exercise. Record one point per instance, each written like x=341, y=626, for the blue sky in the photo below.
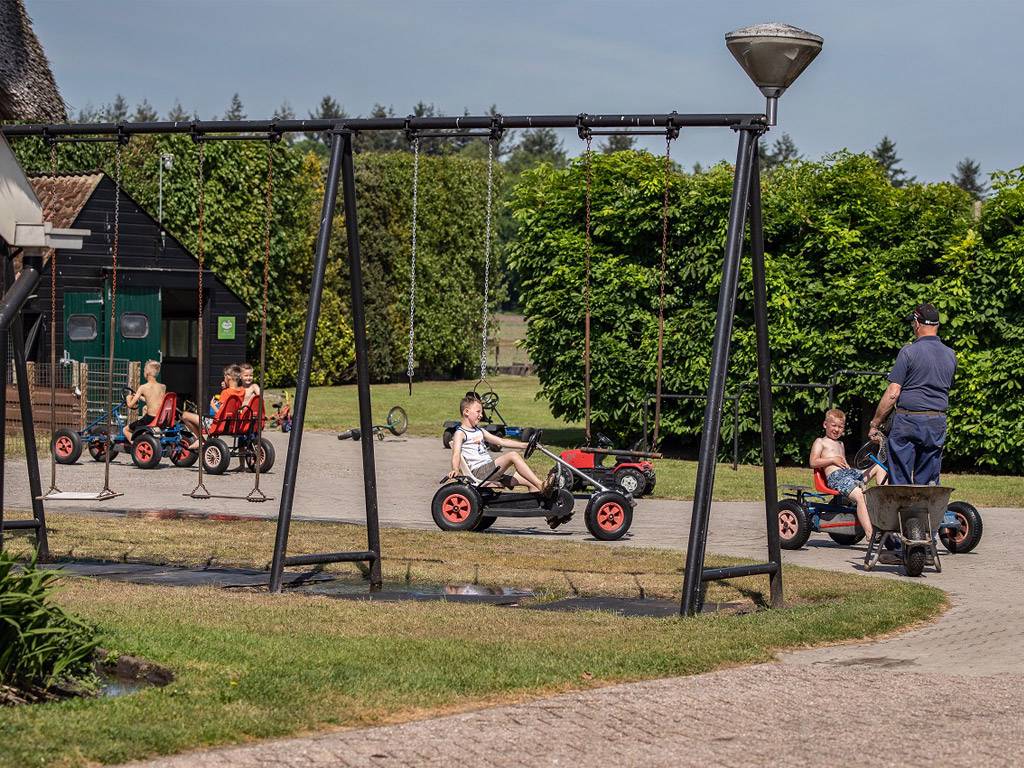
x=938, y=77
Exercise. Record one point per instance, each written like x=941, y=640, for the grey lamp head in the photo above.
x=773, y=56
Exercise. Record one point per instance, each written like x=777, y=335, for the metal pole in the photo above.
x=3, y=383
x=764, y=382
x=362, y=357
x=711, y=431
x=35, y=485
x=736, y=428
x=291, y=466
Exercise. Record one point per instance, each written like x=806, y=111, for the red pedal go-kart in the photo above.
x=465, y=503
x=633, y=471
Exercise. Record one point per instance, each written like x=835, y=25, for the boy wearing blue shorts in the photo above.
x=829, y=454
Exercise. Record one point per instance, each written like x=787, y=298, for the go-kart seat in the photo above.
x=819, y=483
x=495, y=482
x=167, y=416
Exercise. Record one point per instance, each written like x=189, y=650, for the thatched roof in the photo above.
x=28, y=92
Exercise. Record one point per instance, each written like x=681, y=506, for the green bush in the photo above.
x=40, y=643
x=848, y=255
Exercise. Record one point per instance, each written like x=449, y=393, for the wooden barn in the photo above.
x=156, y=290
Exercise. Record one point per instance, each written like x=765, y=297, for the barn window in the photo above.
x=82, y=328
x=134, y=325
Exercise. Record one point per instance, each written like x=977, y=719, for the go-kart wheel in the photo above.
x=398, y=421
x=456, y=507
x=446, y=438
x=97, y=443
x=967, y=538
x=652, y=480
x=531, y=444
x=632, y=481
x=609, y=515
x=267, y=455
x=216, y=456
x=847, y=539
x=526, y=434
x=794, y=525
x=146, y=451
x=914, y=559
x=66, y=446
x=486, y=521
x=181, y=455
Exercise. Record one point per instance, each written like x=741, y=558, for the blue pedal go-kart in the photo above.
x=67, y=444
x=804, y=510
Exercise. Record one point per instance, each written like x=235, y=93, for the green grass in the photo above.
x=434, y=402
x=253, y=666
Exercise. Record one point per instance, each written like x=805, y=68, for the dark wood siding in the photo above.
x=145, y=260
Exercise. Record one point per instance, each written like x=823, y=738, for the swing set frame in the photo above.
x=746, y=200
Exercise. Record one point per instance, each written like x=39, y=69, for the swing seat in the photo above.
x=79, y=496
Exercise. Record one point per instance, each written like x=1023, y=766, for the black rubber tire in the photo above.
x=216, y=456
x=914, y=560
x=794, y=524
x=398, y=420
x=66, y=446
x=526, y=434
x=456, y=507
x=609, y=515
x=485, y=522
x=652, y=481
x=446, y=438
x=969, y=517
x=268, y=457
x=97, y=448
x=181, y=456
x=632, y=481
x=146, y=451
x=566, y=479
x=847, y=539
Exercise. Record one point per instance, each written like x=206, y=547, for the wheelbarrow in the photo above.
x=908, y=516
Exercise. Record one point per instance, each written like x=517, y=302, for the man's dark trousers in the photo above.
x=915, y=447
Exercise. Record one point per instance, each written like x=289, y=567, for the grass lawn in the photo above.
x=434, y=402
x=250, y=665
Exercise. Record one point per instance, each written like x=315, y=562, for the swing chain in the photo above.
x=200, y=491
x=671, y=133
x=412, y=263
x=113, y=316
x=585, y=132
x=487, y=254
x=256, y=494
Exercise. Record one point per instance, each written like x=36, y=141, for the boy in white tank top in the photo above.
x=470, y=443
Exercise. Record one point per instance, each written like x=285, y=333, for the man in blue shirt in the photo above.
x=919, y=390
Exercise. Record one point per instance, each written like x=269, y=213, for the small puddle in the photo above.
x=113, y=687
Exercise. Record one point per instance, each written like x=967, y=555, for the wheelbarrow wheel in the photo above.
x=915, y=557
x=969, y=535
x=794, y=525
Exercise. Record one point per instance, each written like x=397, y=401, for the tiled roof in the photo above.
x=63, y=197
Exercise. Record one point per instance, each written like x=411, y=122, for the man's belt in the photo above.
x=920, y=413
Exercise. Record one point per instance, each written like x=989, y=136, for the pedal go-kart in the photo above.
x=67, y=444
x=241, y=425
x=167, y=436
x=805, y=510
x=397, y=423
x=499, y=428
x=465, y=503
x=632, y=471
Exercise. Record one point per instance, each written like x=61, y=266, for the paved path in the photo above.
x=815, y=707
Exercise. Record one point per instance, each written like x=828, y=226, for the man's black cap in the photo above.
x=925, y=314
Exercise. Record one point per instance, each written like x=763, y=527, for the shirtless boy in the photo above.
x=152, y=393
x=828, y=453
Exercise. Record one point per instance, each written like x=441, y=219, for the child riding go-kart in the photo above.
x=468, y=503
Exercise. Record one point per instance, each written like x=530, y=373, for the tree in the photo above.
x=327, y=109
x=379, y=141
x=178, y=113
x=144, y=113
x=967, y=177
x=89, y=114
x=235, y=109
x=537, y=145
x=620, y=143
x=783, y=151
x=116, y=111
x=284, y=112
x=884, y=154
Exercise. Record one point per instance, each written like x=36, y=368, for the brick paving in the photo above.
x=956, y=700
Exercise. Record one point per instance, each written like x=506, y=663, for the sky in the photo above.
x=938, y=77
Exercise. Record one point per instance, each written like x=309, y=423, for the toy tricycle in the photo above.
x=397, y=423
x=632, y=471
x=466, y=503
x=908, y=516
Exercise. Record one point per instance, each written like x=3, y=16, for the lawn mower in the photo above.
x=498, y=428
x=398, y=422
x=805, y=510
x=632, y=471
x=465, y=503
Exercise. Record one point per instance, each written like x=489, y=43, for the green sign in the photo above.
x=225, y=327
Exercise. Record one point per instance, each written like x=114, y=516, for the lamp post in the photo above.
x=166, y=163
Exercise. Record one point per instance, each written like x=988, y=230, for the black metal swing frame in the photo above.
x=746, y=202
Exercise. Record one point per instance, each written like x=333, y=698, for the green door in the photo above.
x=84, y=324
x=138, y=324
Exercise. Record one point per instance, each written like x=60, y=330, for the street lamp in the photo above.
x=166, y=163
x=773, y=56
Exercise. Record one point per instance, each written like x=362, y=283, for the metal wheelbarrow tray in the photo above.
x=911, y=515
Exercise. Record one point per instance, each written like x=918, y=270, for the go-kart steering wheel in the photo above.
x=531, y=444
x=489, y=400
x=127, y=392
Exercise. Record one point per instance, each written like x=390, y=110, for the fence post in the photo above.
x=83, y=386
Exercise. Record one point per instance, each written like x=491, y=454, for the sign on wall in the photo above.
x=226, y=327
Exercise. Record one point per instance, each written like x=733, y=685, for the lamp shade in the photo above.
x=773, y=55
